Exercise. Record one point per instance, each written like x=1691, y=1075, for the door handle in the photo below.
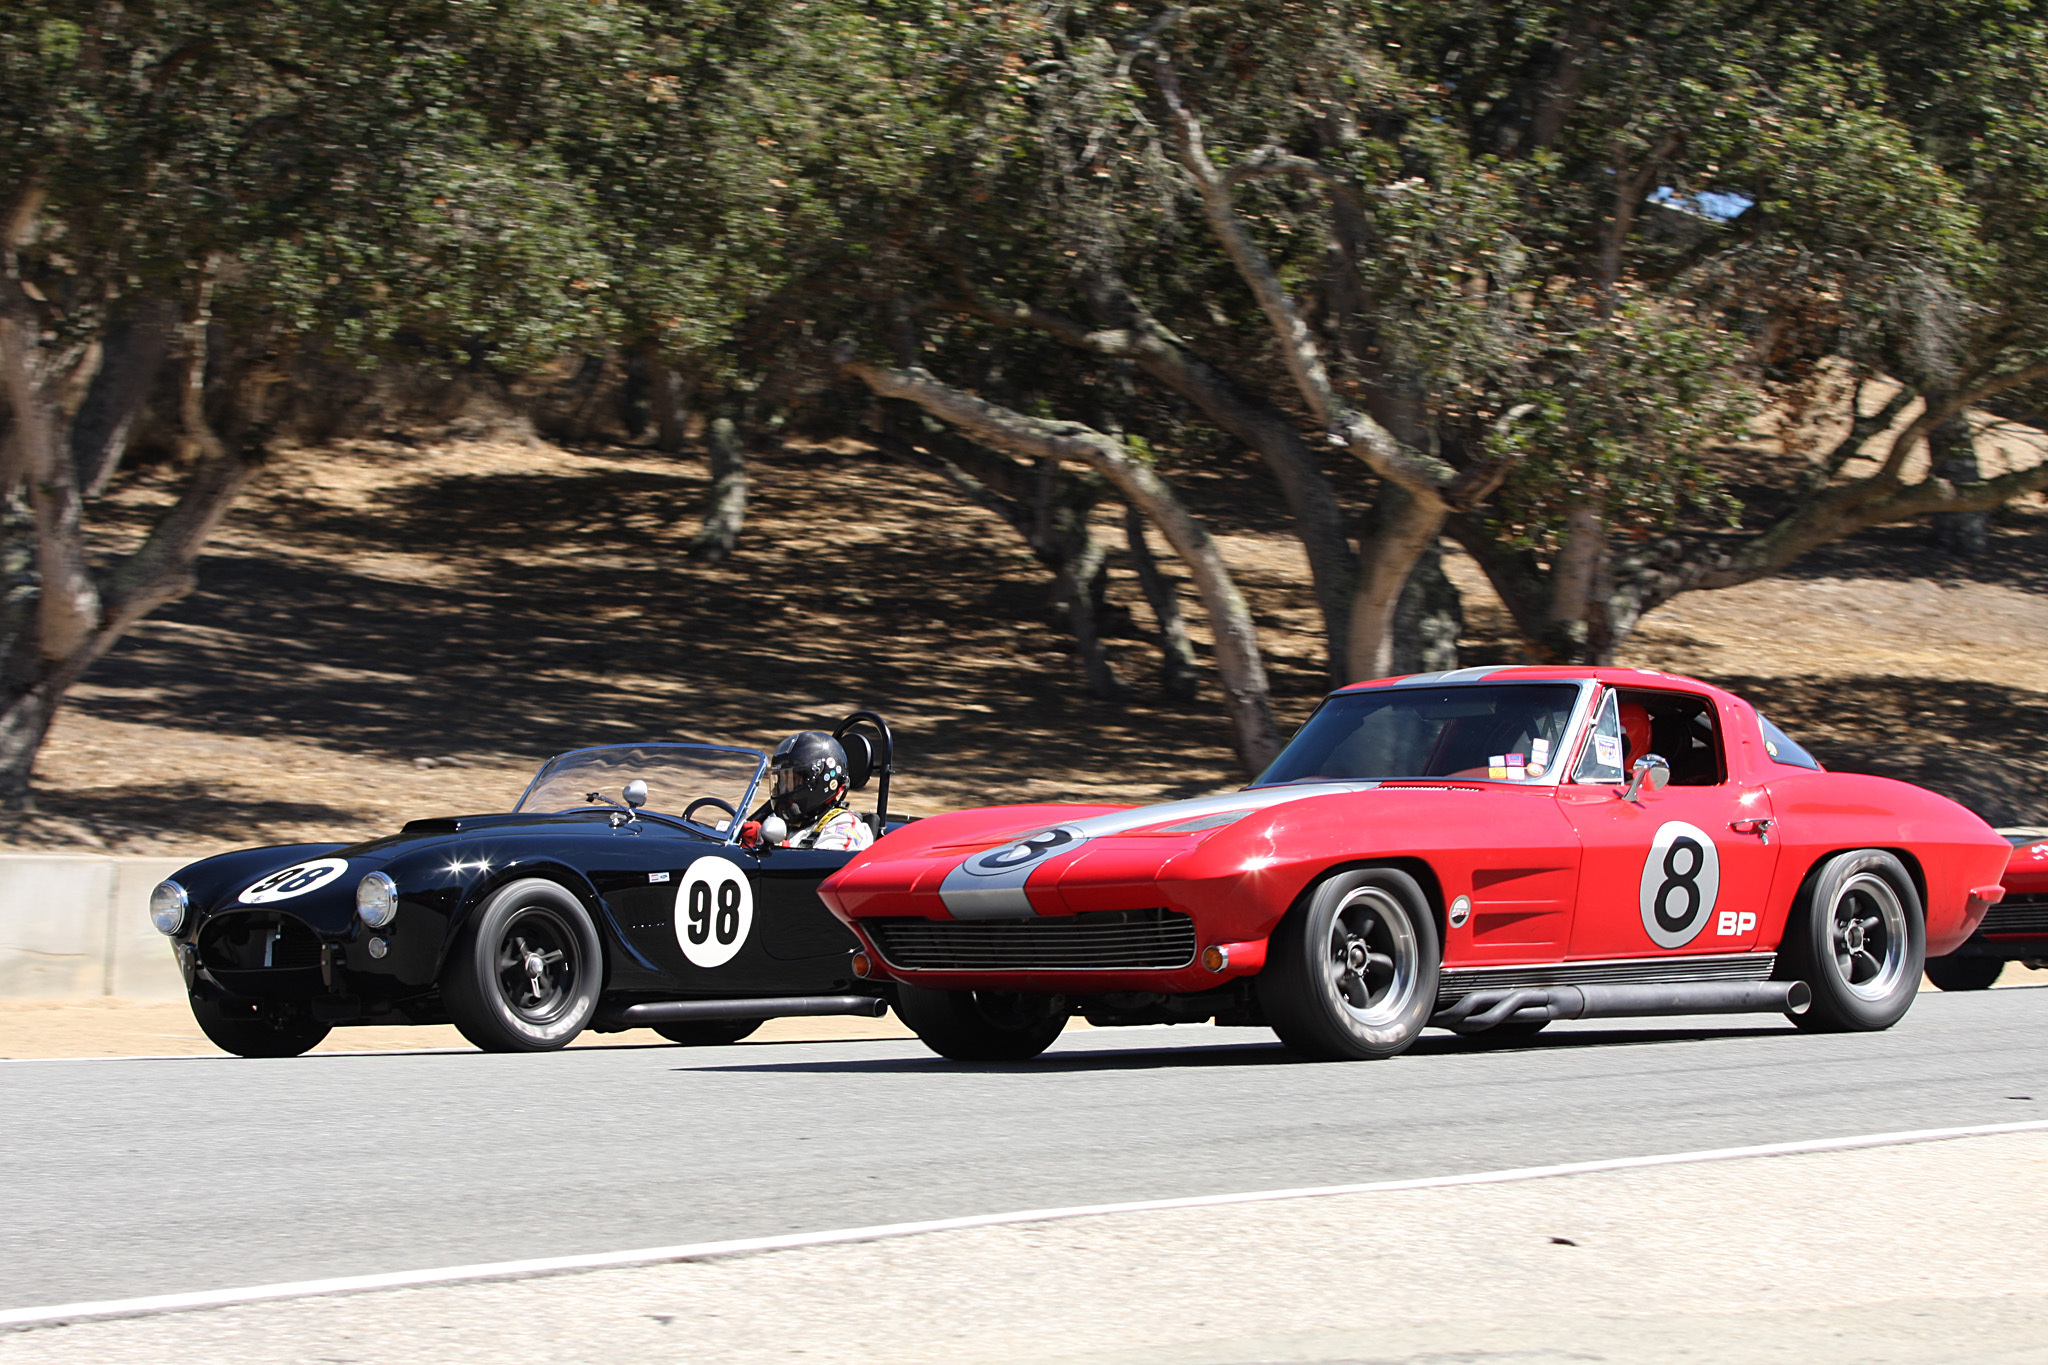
x=1760, y=827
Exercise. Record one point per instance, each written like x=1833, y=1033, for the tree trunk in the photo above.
x=1407, y=528
x=134, y=354
x=725, y=511
x=1076, y=592
x=665, y=398
x=1239, y=663
x=1428, y=620
x=1952, y=449
x=1178, y=678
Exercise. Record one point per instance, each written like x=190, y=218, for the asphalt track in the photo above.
x=128, y=1178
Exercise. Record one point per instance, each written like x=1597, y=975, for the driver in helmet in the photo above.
x=808, y=773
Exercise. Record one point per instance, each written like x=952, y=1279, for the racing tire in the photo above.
x=982, y=1026
x=1964, y=973
x=1351, y=972
x=251, y=1031
x=1859, y=940
x=708, y=1032
x=525, y=972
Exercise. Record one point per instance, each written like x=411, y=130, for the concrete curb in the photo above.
x=76, y=927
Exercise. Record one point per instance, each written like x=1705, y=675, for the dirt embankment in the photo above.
x=384, y=631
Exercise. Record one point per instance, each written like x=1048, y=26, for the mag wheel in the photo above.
x=524, y=975
x=249, y=1031
x=982, y=1026
x=708, y=1032
x=1351, y=973
x=1860, y=943
x=1964, y=973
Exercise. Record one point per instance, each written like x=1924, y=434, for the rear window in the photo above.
x=1782, y=749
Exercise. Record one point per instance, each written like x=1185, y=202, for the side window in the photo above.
x=1602, y=760
x=1783, y=749
x=1681, y=729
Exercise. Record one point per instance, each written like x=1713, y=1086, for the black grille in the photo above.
x=1098, y=940
x=252, y=942
x=2017, y=915
x=1456, y=982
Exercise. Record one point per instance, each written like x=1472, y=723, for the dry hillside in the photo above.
x=386, y=630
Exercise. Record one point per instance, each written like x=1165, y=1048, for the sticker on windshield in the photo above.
x=1681, y=880
x=295, y=880
x=1607, y=751
x=714, y=911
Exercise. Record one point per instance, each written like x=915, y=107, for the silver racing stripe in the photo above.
x=990, y=884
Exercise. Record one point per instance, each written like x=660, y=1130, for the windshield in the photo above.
x=1500, y=733
x=678, y=776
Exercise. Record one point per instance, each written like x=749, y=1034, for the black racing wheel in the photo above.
x=1859, y=940
x=1965, y=973
x=982, y=1026
x=1351, y=973
x=690, y=811
x=248, y=1030
x=524, y=974
x=708, y=1032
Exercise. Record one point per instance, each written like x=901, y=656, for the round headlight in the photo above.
x=167, y=907
x=377, y=900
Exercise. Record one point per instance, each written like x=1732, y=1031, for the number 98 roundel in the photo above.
x=714, y=911
x=1681, y=881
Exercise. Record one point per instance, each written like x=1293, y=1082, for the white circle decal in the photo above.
x=714, y=911
x=1011, y=857
x=295, y=880
x=1681, y=879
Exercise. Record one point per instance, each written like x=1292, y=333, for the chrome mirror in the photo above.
x=774, y=830
x=1650, y=771
x=635, y=793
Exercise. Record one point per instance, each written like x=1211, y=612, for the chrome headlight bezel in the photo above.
x=169, y=904
x=376, y=900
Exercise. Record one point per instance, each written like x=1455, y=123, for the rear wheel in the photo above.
x=708, y=1032
x=524, y=975
x=1859, y=941
x=1351, y=974
x=1964, y=973
x=251, y=1031
x=982, y=1026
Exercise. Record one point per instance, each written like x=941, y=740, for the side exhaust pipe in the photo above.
x=767, y=1007
x=1482, y=1010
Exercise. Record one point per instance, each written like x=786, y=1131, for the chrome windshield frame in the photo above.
x=1569, y=739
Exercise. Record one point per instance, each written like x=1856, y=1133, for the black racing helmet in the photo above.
x=808, y=772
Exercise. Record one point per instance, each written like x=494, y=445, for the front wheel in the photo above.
x=708, y=1032
x=982, y=1026
x=1860, y=941
x=524, y=975
x=1965, y=973
x=1352, y=971
x=250, y=1031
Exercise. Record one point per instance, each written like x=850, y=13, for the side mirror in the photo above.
x=774, y=830
x=1650, y=771
x=636, y=793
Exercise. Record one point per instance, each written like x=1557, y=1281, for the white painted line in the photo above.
x=57, y=1314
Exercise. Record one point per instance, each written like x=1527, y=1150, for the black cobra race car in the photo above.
x=616, y=894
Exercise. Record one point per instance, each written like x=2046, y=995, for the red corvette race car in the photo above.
x=2015, y=930
x=1484, y=850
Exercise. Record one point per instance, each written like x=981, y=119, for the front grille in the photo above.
x=255, y=941
x=1094, y=941
x=1457, y=982
x=2017, y=915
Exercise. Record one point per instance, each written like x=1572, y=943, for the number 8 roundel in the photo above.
x=1681, y=881
x=714, y=911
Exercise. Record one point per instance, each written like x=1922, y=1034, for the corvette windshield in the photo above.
x=1500, y=733
x=677, y=777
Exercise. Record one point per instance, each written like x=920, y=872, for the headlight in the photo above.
x=377, y=900
x=167, y=907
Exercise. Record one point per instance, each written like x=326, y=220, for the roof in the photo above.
x=1613, y=677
